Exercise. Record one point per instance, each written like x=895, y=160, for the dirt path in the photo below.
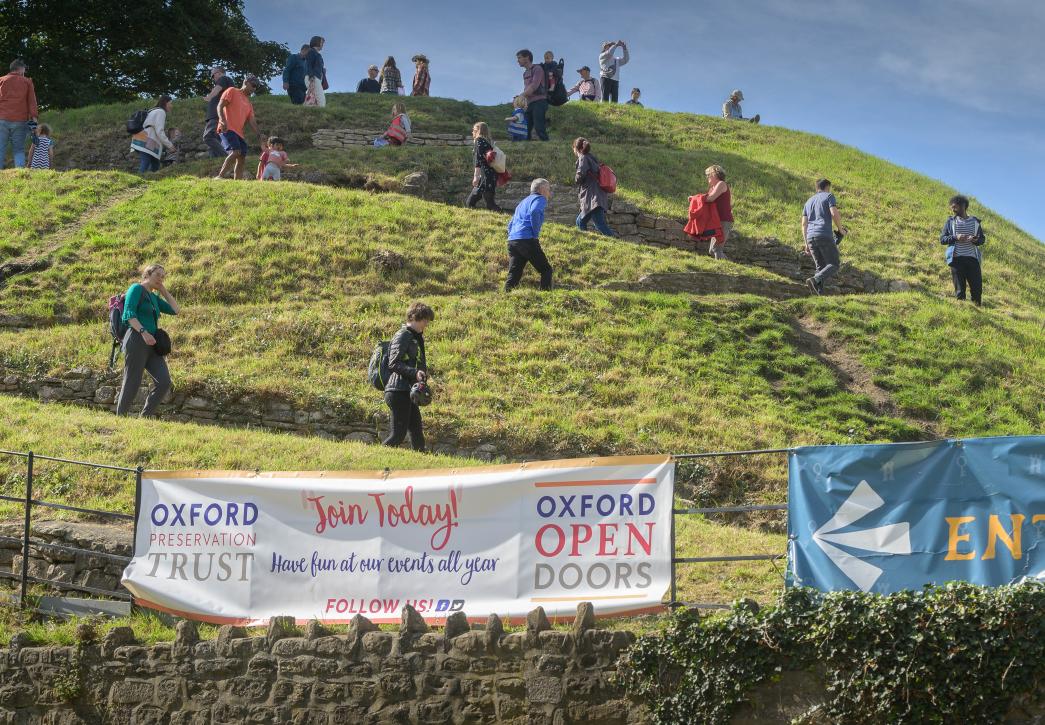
x=814, y=340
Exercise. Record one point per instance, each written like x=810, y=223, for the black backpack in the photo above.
x=556, y=84
x=136, y=123
x=116, y=327
x=377, y=372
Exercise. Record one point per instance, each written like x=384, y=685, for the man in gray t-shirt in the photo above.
x=817, y=217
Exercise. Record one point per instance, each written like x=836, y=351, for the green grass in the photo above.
x=37, y=203
x=228, y=242
x=895, y=214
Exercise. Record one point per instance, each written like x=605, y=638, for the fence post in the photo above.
x=674, y=582
x=25, y=532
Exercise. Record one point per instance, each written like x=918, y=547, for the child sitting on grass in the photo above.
x=399, y=131
x=41, y=153
x=518, y=130
x=273, y=160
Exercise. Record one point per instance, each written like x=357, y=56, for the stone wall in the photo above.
x=97, y=572
x=339, y=138
x=98, y=389
x=415, y=675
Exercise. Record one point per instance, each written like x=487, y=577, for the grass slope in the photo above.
x=895, y=214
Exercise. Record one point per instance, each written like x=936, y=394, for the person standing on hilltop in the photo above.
x=636, y=94
x=587, y=86
x=422, y=78
x=370, y=84
x=535, y=89
x=315, y=74
x=524, y=231
x=234, y=112
x=391, y=80
x=609, y=68
x=294, y=76
x=210, y=124
x=731, y=108
x=963, y=236
x=821, y=242
x=17, y=109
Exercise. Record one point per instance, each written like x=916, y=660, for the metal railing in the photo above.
x=29, y=502
x=673, y=601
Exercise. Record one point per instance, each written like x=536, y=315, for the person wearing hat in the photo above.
x=731, y=108
x=609, y=68
x=587, y=86
x=370, y=84
x=294, y=76
x=422, y=79
x=235, y=111
x=210, y=123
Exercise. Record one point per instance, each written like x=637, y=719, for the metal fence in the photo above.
x=64, y=605
x=68, y=605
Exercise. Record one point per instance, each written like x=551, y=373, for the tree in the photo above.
x=81, y=52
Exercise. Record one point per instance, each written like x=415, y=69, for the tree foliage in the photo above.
x=99, y=51
x=957, y=653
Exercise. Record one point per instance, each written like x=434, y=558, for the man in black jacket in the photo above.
x=407, y=363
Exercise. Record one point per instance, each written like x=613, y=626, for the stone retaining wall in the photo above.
x=98, y=572
x=482, y=675
x=331, y=138
x=98, y=389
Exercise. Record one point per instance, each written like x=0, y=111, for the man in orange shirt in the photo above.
x=234, y=113
x=17, y=108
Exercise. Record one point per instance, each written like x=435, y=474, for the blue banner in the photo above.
x=883, y=518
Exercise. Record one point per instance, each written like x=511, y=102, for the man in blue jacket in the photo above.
x=294, y=76
x=524, y=231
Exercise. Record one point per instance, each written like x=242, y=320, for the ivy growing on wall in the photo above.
x=957, y=653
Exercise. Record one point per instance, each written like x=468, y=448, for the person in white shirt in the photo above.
x=609, y=68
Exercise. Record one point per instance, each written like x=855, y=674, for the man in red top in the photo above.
x=17, y=108
x=234, y=113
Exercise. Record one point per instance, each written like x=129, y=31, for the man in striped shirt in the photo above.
x=963, y=236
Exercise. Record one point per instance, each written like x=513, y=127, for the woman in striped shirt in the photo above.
x=963, y=236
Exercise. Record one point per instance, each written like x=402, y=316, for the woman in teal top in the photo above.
x=142, y=306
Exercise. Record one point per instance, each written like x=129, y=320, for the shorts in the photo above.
x=271, y=172
x=232, y=142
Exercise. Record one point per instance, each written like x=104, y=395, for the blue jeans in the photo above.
x=15, y=132
x=148, y=163
x=596, y=216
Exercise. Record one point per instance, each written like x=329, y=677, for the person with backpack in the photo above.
x=553, y=73
x=963, y=236
x=17, y=110
x=484, y=180
x=591, y=195
x=535, y=88
x=587, y=86
x=151, y=142
x=408, y=378
x=609, y=68
x=144, y=341
x=524, y=232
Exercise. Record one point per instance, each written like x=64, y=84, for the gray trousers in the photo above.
x=137, y=358
x=825, y=255
x=210, y=137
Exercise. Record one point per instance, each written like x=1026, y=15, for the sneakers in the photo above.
x=816, y=286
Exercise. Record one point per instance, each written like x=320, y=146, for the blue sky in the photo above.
x=955, y=90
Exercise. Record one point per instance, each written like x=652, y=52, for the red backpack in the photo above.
x=607, y=179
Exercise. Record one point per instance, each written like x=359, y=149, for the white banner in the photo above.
x=242, y=547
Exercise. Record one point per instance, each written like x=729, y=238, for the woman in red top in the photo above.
x=718, y=192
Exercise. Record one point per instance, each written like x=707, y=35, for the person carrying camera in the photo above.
x=408, y=365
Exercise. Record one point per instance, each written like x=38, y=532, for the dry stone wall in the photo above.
x=331, y=138
x=415, y=675
x=64, y=567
